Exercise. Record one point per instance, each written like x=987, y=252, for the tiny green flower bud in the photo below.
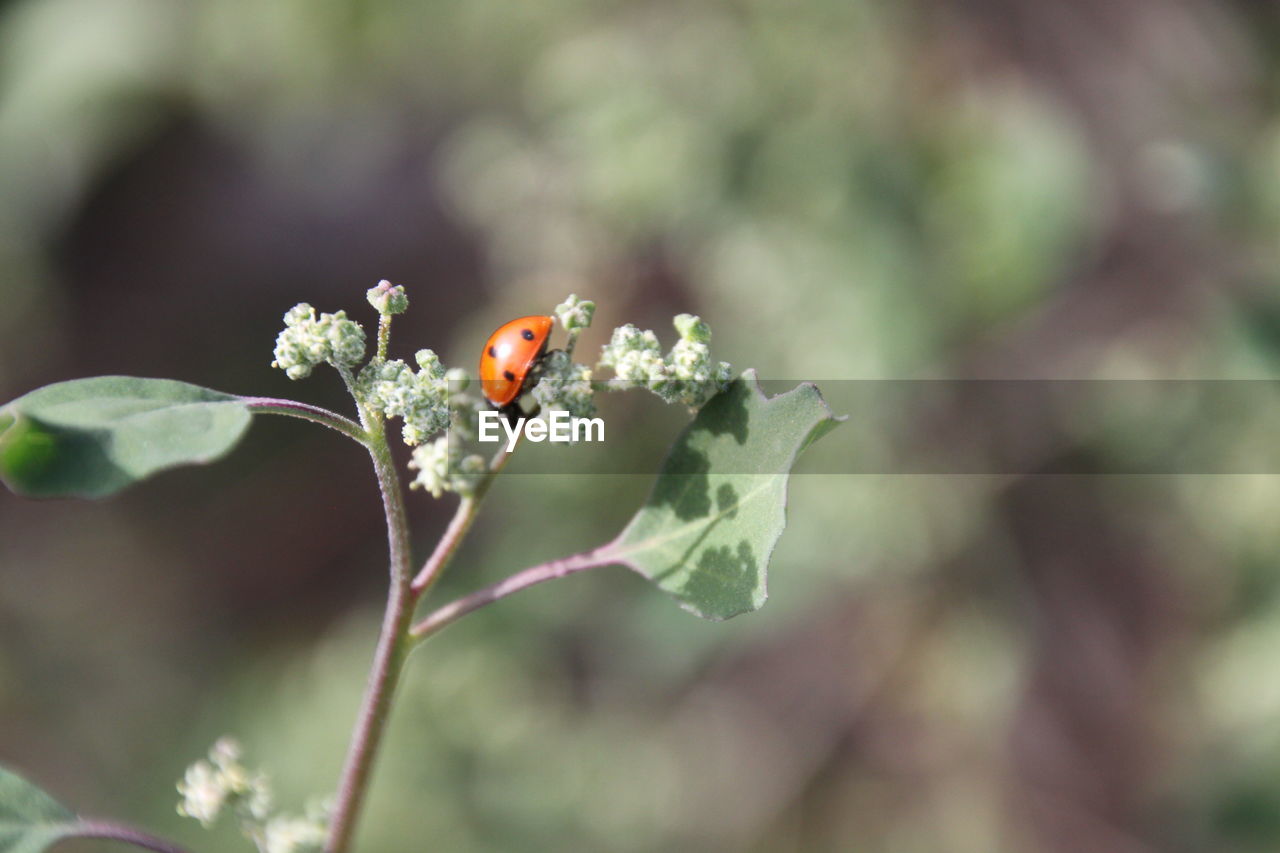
x=635, y=356
x=346, y=339
x=442, y=467
x=288, y=834
x=691, y=328
x=459, y=380
x=565, y=385
x=429, y=362
x=210, y=785
x=387, y=298
x=203, y=794
x=575, y=314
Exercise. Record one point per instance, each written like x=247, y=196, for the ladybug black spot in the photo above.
x=526, y=334
x=509, y=376
x=493, y=353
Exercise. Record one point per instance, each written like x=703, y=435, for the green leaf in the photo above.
x=30, y=820
x=91, y=437
x=708, y=528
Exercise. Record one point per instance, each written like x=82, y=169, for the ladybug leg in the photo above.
x=539, y=367
x=514, y=411
x=511, y=412
x=524, y=406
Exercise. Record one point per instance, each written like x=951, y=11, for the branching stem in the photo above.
x=458, y=527
x=109, y=831
x=398, y=634
x=551, y=570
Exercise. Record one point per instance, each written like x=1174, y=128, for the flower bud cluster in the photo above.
x=421, y=398
x=635, y=356
x=293, y=834
x=307, y=341
x=443, y=466
x=211, y=786
x=222, y=781
x=686, y=375
x=565, y=385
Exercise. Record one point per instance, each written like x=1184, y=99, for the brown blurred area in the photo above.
x=1067, y=189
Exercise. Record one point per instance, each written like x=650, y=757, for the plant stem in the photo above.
x=384, y=335
x=315, y=414
x=367, y=418
x=127, y=834
x=448, y=614
x=388, y=660
x=395, y=640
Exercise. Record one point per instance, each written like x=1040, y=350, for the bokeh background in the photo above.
x=844, y=189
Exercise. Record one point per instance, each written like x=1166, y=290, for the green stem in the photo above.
x=448, y=614
x=388, y=660
x=367, y=418
x=384, y=335
x=315, y=414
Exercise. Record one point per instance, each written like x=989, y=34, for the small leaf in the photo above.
x=708, y=528
x=30, y=820
x=91, y=437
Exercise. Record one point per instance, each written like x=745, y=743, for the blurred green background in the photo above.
x=844, y=189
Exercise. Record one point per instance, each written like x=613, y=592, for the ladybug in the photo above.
x=511, y=356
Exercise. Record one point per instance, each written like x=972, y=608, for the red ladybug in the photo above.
x=510, y=356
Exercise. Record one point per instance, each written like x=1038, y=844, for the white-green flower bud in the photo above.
x=209, y=786
x=431, y=461
x=203, y=794
x=306, y=341
x=691, y=328
x=429, y=362
x=697, y=378
x=635, y=356
x=565, y=385
x=385, y=386
x=346, y=339
x=287, y=834
x=421, y=398
x=442, y=467
x=395, y=390
x=459, y=380
x=387, y=298
x=428, y=410
x=575, y=314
